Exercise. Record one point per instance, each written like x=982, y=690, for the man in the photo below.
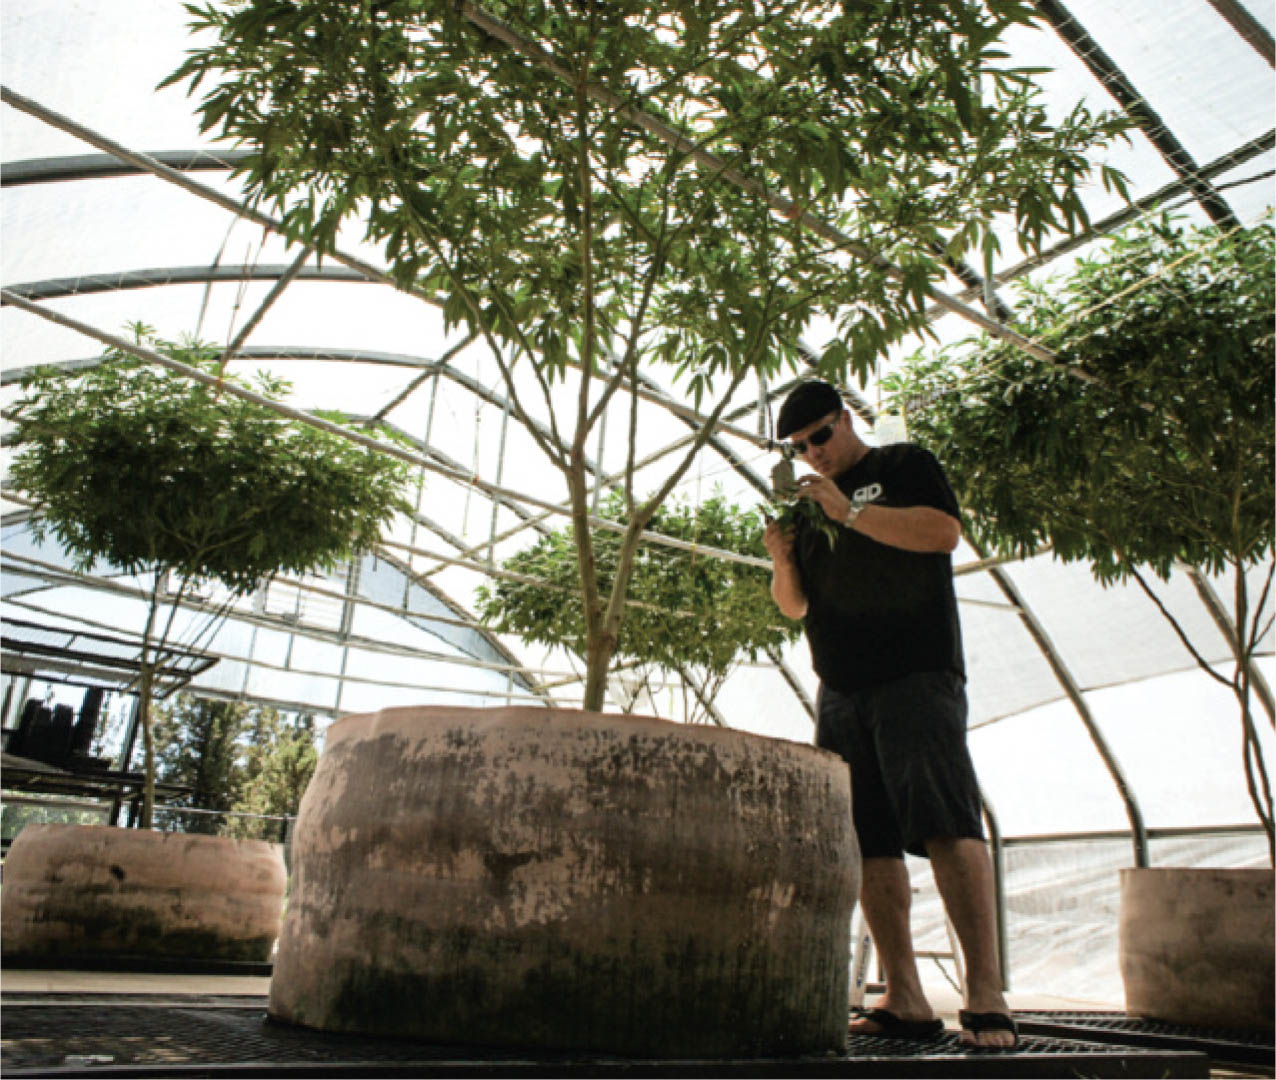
x=881, y=620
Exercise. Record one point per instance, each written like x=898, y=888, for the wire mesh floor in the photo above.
x=1251, y=1050
x=65, y=1035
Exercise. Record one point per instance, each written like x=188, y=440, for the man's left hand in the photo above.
x=823, y=491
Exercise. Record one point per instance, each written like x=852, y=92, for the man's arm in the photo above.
x=922, y=529
x=913, y=528
x=786, y=585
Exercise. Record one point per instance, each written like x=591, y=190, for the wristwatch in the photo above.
x=857, y=507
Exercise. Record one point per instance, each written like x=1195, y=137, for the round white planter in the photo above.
x=93, y=890
x=554, y=878
x=1196, y=945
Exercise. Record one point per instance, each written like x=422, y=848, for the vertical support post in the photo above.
x=126, y=755
x=500, y=477
x=130, y=733
x=8, y=699
x=347, y=621
x=998, y=853
x=420, y=487
x=20, y=699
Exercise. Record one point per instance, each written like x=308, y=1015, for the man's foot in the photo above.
x=902, y=1015
x=988, y=1030
x=885, y=1023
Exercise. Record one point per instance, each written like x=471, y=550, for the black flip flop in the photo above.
x=990, y=1021
x=894, y=1027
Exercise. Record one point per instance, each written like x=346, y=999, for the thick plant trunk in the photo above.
x=598, y=656
x=605, y=631
x=146, y=681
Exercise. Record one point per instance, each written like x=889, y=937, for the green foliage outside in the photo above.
x=14, y=817
x=146, y=471
x=1153, y=447
x=237, y=759
x=605, y=189
x=690, y=615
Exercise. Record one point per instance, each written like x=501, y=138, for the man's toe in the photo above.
x=988, y=1030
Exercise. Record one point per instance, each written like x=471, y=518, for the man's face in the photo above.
x=825, y=445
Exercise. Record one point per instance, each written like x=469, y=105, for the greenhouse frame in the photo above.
x=1098, y=741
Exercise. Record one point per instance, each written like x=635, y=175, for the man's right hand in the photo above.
x=779, y=541
x=786, y=586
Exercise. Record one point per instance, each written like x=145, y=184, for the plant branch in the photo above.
x=1177, y=627
x=480, y=320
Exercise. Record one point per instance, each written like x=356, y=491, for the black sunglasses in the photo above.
x=818, y=437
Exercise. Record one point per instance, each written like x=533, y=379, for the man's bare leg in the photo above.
x=886, y=897
x=963, y=875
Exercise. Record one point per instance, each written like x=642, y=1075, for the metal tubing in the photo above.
x=1232, y=159
x=1138, y=830
x=998, y=856
x=1244, y=23
x=1114, y=80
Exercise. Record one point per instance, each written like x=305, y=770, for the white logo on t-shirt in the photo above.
x=867, y=494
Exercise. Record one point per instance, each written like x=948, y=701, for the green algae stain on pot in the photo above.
x=551, y=878
x=73, y=890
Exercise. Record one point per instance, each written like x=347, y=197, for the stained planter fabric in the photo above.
x=555, y=878
x=93, y=890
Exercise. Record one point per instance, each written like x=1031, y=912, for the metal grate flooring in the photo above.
x=1250, y=1050
x=79, y=1035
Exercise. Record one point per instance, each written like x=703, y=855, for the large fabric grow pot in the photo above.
x=96, y=891
x=1196, y=945
x=555, y=878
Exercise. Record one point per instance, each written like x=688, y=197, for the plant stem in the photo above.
x=144, y=707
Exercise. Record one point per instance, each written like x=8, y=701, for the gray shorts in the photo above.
x=911, y=774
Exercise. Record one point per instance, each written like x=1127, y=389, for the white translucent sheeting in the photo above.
x=1169, y=53
x=118, y=223
x=101, y=60
x=1177, y=740
x=1005, y=670
x=758, y=699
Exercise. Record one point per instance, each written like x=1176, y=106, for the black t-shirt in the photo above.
x=876, y=612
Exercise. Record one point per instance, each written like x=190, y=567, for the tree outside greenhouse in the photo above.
x=184, y=485
x=247, y=764
x=600, y=190
x=1154, y=450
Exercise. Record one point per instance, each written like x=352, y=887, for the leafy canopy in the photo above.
x=136, y=465
x=1158, y=448
x=523, y=186
x=686, y=609
x=613, y=187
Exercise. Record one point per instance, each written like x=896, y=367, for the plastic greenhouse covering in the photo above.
x=106, y=244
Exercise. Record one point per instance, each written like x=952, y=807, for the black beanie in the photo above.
x=806, y=404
